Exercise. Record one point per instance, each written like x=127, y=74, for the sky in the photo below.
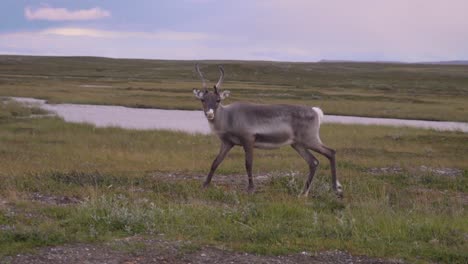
x=279, y=30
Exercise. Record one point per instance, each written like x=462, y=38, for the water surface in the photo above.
x=195, y=121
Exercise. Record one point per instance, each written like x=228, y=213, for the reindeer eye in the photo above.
x=218, y=100
x=203, y=100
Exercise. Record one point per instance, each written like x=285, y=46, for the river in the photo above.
x=194, y=121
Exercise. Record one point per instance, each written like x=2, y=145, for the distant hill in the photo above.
x=453, y=62
x=22, y=58
x=357, y=61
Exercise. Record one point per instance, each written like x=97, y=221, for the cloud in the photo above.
x=63, y=14
x=68, y=41
x=74, y=41
x=98, y=33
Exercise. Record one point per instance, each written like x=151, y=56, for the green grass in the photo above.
x=120, y=177
x=410, y=91
x=11, y=109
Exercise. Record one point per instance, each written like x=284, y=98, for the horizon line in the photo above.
x=452, y=61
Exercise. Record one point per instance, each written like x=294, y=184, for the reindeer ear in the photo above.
x=198, y=94
x=225, y=94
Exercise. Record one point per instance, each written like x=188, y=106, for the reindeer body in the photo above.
x=267, y=127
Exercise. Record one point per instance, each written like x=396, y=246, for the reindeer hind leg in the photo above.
x=311, y=161
x=329, y=153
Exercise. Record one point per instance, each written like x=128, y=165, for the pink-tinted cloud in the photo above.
x=165, y=35
x=63, y=14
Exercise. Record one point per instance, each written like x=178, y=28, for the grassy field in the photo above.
x=410, y=91
x=406, y=190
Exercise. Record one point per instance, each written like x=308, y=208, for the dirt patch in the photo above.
x=443, y=172
x=463, y=197
x=3, y=203
x=6, y=228
x=446, y=172
x=53, y=199
x=233, y=180
x=385, y=170
x=139, y=250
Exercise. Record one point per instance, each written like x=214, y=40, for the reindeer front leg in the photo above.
x=225, y=148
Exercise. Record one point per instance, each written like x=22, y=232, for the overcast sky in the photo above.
x=286, y=30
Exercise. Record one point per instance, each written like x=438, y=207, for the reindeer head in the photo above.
x=211, y=100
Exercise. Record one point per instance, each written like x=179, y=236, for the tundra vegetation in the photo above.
x=409, y=91
x=406, y=190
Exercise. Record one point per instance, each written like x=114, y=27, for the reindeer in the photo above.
x=264, y=126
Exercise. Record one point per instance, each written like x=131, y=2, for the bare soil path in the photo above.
x=134, y=250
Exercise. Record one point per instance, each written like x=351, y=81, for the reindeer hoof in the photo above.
x=205, y=185
x=338, y=190
x=251, y=189
x=339, y=193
